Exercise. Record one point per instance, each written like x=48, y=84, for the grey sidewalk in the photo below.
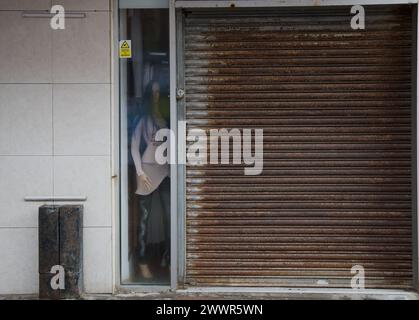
x=236, y=296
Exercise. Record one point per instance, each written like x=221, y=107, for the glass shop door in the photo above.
x=144, y=110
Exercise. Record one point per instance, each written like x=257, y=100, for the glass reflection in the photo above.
x=147, y=99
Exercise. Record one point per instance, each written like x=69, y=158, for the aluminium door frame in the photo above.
x=177, y=109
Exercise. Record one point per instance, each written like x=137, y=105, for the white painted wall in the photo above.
x=55, y=134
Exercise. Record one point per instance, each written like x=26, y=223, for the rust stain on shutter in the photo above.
x=335, y=106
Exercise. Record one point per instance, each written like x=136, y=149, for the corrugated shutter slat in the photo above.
x=335, y=106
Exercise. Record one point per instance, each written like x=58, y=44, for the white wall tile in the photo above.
x=25, y=4
x=86, y=176
x=97, y=256
x=25, y=119
x=82, y=119
x=81, y=52
x=25, y=50
x=19, y=261
x=83, y=4
x=22, y=177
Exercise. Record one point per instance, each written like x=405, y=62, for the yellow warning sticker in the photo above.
x=125, y=49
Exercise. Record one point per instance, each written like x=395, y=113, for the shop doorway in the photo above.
x=145, y=185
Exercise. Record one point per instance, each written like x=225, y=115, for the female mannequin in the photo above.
x=151, y=176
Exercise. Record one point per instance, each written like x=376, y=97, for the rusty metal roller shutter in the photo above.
x=335, y=106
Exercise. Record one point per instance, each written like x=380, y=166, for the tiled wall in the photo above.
x=55, y=134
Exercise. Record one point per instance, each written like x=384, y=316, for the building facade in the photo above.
x=337, y=106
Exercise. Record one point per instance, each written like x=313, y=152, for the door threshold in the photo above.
x=265, y=292
x=323, y=293
x=141, y=289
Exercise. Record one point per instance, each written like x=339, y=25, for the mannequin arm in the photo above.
x=135, y=147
